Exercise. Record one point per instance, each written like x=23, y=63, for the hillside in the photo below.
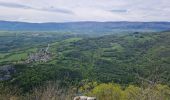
x=124, y=59
x=84, y=62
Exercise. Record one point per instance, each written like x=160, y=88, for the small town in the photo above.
x=42, y=55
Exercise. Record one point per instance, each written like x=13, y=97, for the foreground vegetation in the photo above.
x=110, y=91
x=116, y=92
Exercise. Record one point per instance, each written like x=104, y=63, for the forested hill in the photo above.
x=86, y=26
x=124, y=59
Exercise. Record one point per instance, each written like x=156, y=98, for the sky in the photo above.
x=84, y=10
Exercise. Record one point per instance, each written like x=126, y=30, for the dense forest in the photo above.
x=129, y=66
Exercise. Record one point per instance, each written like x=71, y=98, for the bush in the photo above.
x=116, y=92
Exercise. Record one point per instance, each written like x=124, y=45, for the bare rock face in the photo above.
x=84, y=98
x=6, y=71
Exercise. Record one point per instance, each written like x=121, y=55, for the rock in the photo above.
x=77, y=98
x=84, y=98
x=91, y=98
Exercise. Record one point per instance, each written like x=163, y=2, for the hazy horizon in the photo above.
x=86, y=22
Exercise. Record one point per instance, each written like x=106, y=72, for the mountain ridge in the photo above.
x=84, y=25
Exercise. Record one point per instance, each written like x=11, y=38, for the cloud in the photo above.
x=14, y=5
x=119, y=10
x=59, y=10
x=84, y=10
x=22, y=6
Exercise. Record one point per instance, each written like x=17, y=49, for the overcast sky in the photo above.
x=84, y=10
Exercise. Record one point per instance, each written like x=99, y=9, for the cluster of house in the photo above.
x=42, y=55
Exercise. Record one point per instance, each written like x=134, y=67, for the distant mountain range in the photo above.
x=85, y=26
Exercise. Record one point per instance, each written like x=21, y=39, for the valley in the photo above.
x=118, y=58
x=31, y=59
x=84, y=50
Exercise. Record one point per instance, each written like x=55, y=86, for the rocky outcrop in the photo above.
x=84, y=98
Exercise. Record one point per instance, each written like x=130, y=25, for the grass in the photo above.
x=50, y=91
x=2, y=55
x=14, y=57
x=72, y=40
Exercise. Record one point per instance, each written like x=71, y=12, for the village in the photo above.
x=42, y=55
